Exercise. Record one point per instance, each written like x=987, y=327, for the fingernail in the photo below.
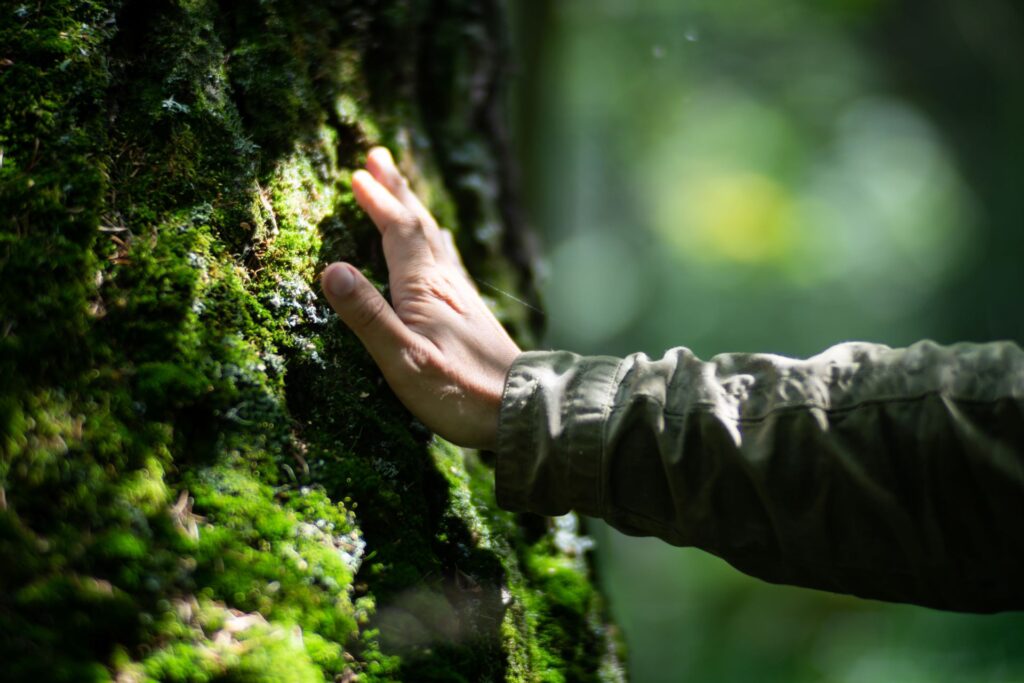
x=338, y=279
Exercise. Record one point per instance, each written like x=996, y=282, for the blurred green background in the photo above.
x=775, y=176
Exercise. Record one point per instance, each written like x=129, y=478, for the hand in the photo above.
x=440, y=348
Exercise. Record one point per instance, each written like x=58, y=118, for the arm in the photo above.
x=886, y=473
x=895, y=474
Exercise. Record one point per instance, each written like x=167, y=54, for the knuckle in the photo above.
x=433, y=285
x=422, y=359
x=398, y=180
x=406, y=223
x=436, y=281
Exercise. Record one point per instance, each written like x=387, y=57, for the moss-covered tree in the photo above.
x=203, y=476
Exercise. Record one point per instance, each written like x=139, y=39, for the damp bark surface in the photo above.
x=203, y=476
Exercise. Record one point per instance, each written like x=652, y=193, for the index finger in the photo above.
x=381, y=166
x=405, y=244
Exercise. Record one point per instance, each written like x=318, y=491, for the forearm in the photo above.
x=894, y=474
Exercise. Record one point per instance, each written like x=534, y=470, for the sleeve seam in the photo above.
x=796, y=407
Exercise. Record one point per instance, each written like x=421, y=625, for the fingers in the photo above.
x=381, y=166
x=412, y=238
x=385, y=210
x=405, y=244
x=367, y=313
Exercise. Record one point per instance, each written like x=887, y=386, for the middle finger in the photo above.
x=381, y=166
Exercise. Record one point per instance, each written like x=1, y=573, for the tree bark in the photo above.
x=203, y=475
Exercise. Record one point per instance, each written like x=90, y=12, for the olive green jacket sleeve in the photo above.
x=895, y=474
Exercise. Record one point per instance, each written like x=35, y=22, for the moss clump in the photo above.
x=202, y=475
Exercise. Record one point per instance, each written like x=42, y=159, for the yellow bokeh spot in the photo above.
x=740, y=217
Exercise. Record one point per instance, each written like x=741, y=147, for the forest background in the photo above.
x=776, y=177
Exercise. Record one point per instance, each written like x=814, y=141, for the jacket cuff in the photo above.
x=550, y=454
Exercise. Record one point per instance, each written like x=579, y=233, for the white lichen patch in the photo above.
x=293, y=301
x=567, y=536
x=350, y=546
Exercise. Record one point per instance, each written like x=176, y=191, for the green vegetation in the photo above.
x=202, y=475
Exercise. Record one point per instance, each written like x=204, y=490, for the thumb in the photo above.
x=358, y=303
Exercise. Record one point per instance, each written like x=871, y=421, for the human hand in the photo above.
x=440, y=348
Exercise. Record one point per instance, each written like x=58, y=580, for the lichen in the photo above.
x=202, y=474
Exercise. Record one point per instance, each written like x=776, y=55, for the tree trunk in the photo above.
x=203, y=476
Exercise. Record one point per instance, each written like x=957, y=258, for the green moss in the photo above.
x=203, y=475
